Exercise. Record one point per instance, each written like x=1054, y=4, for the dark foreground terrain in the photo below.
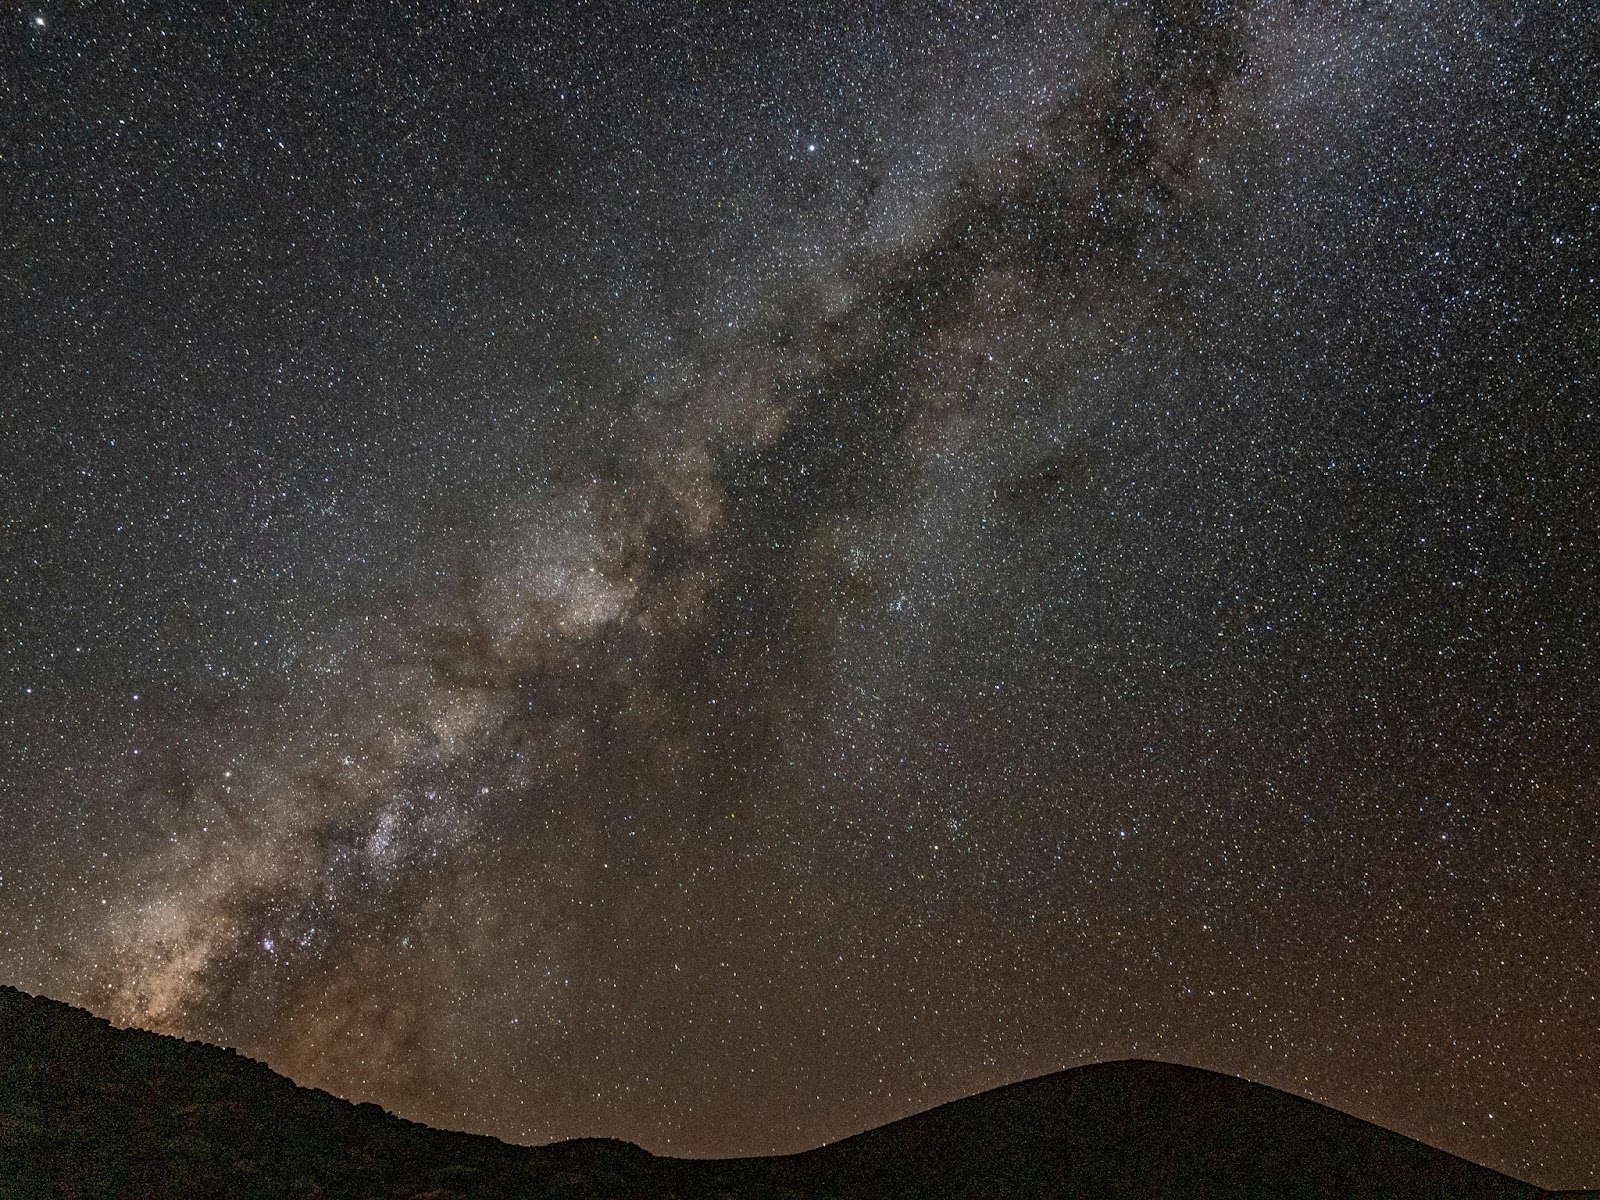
x=87, y=1110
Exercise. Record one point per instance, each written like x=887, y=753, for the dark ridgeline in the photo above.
x=87, y=1110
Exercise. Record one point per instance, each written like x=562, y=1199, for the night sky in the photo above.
x=722, y=576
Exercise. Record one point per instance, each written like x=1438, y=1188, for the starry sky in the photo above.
x=719, y=576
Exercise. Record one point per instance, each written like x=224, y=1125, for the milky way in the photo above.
x=720, y=580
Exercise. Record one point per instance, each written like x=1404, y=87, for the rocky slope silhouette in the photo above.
x=88, y=1110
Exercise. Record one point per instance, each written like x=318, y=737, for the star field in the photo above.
x=722, y=576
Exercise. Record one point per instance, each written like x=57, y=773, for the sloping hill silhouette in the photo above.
x=87, y=1110
x=1140, y=1129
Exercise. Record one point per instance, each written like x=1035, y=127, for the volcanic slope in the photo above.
x=89, y=1110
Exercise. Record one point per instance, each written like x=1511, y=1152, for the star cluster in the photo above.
x=719, y=577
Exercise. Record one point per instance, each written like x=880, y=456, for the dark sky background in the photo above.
x=721, y=576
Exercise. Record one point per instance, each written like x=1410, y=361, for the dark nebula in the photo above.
x=719, y=578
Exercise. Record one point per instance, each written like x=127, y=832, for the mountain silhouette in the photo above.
x=89, y=1110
